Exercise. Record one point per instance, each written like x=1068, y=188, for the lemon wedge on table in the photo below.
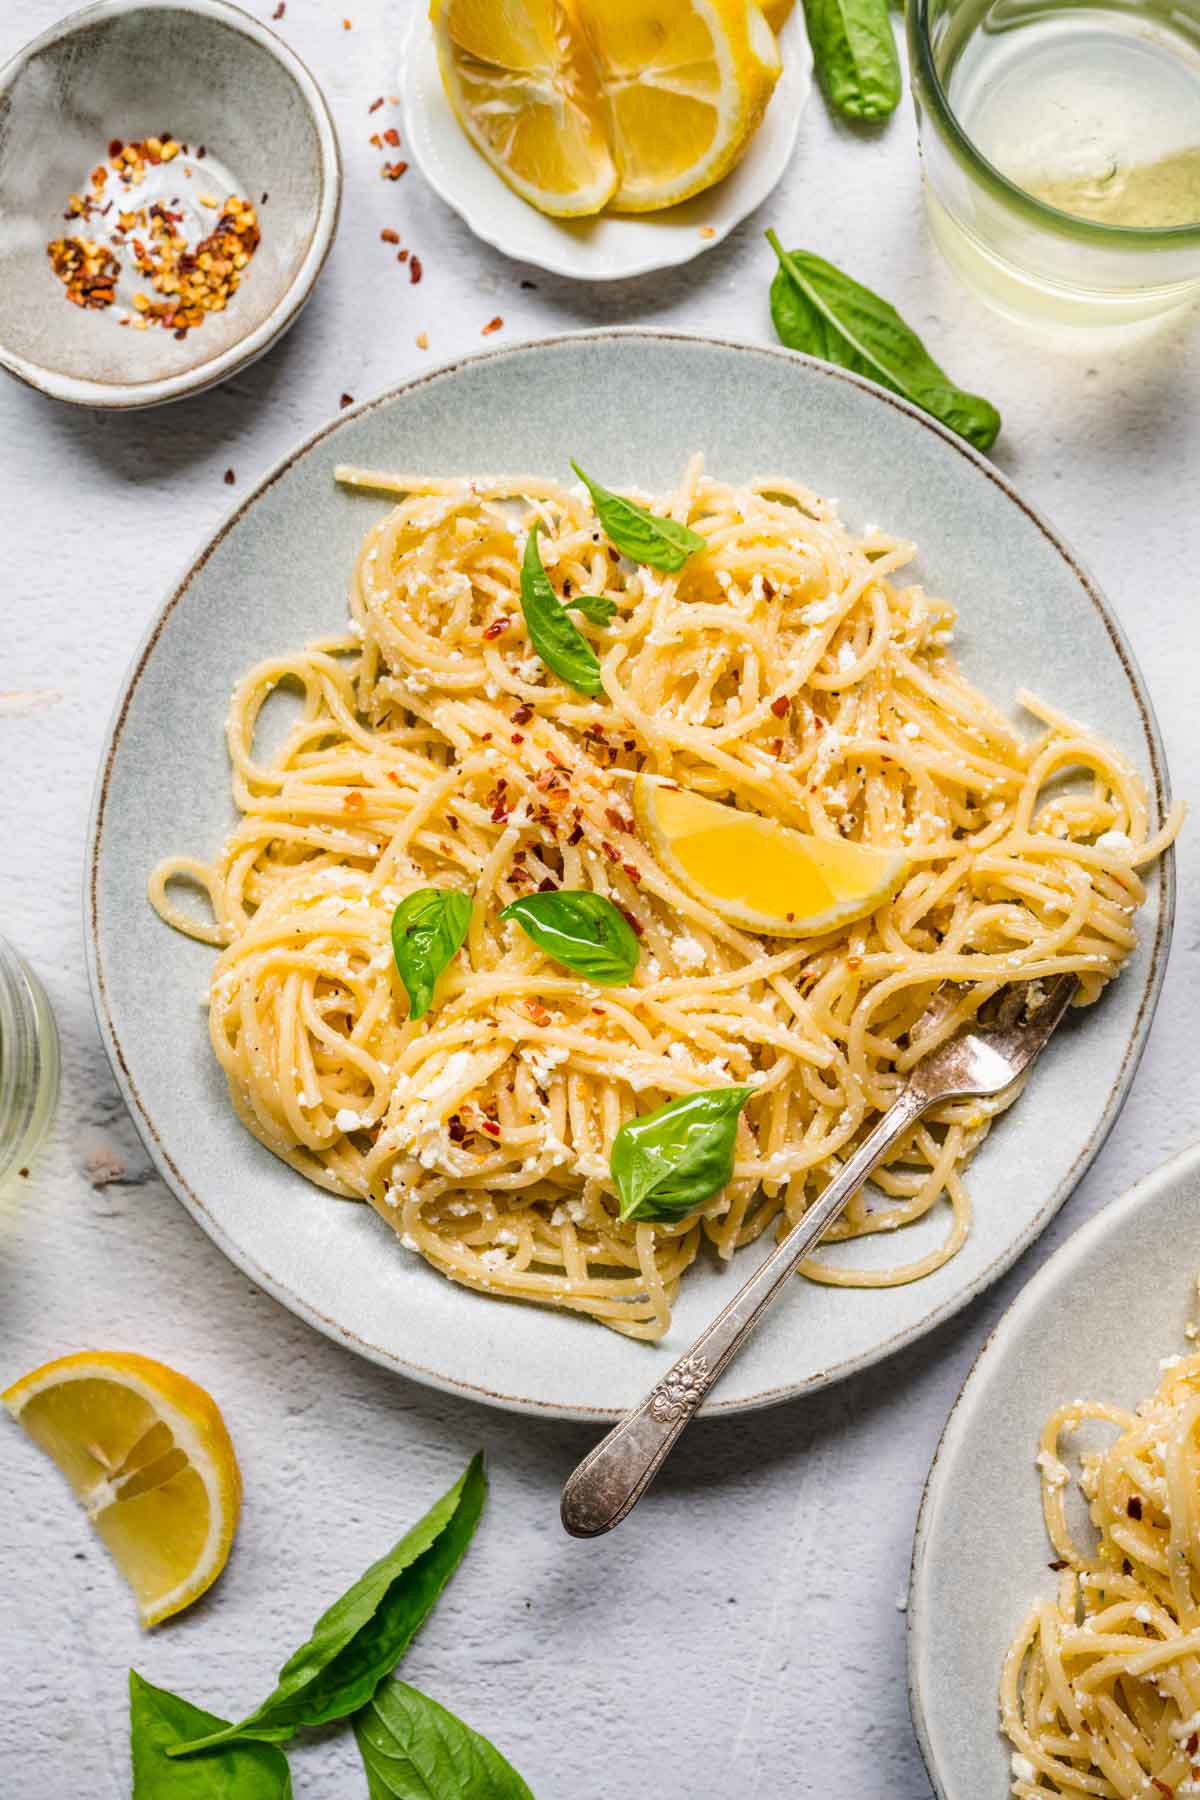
x=759, y=874
x=524, y=90
x=685, y=85
x=148, y=1456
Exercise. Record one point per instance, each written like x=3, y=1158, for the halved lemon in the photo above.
x=757, y=873
x=685, y=84
x=524, y=90
x=148, y=1456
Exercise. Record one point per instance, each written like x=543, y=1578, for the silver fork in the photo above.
x=975, y=1063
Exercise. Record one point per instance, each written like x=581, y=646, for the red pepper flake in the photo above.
x=354, y=801
x=537, y=1012
x=345, y=24
x=634, y=924
x=1133, y=1507
x=768, y=588
x=818, y=721
x=791, y=917
x=497, y=628
x=522, y=715
x=457, y=1130
x=393, y=171
x=499, y=813
x=492, y=325
x=517, y=738
x=776, y=746
x=781, y=706
x=1193, y=1744
x=576, y=835
x=633, y=872
x=389, y=236
x=375, y=141
x=547, y=886
x=115, y=147
x=402, y=256
x=1162, y=1787
x=854, y=962
x=612, y=854
x=415, y=270
x=375, y=104
x=229, y=478
x=201, y=152
x=280, y=10
x=616, y=821
x=346, y=400
x=491, y=1127
x=1058, y=1565
x=392, y=136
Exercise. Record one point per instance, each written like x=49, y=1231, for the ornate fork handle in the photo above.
x=613, y=1478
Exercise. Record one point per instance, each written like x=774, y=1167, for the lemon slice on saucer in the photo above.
x=758, y=874
x=148, y=1456
x=685, y=85
x=524, y=90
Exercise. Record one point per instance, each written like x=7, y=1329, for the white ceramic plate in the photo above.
x=1095, y=1322
x=610, y=246
x=276, y=573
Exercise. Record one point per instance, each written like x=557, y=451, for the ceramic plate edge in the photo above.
x=520, y=1403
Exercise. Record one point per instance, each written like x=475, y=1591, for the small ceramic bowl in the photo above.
x=210, y=75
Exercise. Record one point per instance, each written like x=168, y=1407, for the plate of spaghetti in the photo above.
x=1054, y=1614
x=535, y=827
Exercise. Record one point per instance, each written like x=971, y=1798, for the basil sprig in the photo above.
x=428, y=929
x=639, y=533
x=159, y=1722
x=362, y=1636
x=556, y=638
x=413, y=1749
x=596, y=607
x=818, y=309
x=581, y=929
x=669, y=1161
x=855, y=56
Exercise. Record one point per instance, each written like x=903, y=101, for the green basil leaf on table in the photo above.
x=586, y=931
x=638, y=533
x=428, y=929
x=818, y=309
x=160, y=1721
x=669, y=1161
x=556, y=638
x=596, y=607
x=362, y=1636
x=413, y=1749
x=855, y=56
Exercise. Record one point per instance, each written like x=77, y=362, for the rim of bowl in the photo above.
x=927, y=84
x=129, y=396
x=1159, y=939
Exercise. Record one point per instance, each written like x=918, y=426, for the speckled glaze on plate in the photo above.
x=127, y=68
x=276, y=573
x=1095, y=1321
x=612, y=246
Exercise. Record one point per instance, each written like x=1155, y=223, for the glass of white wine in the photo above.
x=1060, y=143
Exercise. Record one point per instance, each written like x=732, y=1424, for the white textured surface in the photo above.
x=740, y=1635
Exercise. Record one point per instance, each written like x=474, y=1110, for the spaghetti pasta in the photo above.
x=1100, y=1693
x=784, y=669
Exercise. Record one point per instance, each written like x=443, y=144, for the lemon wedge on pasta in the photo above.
x=147, y=1455
x=524, y=90
x=759, y=874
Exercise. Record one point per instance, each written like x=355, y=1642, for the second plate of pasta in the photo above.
x=594, y=770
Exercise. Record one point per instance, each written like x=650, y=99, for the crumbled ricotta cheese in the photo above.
x=689, y=952
x=1056, y=1473
x=1115, y=841
x=348, y=1120
x=1022, y=1768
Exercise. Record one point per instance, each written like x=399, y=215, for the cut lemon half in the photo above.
x=685, y=84
x=523, y=88
x=148, y=1456
x=756, y=873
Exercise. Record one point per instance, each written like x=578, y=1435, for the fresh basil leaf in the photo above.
x=557, y=640
x=362, y=1636
x=160, y=1721
x=596, y=607
x=671, y=1160
x=855, y=54
x=413, y=1749
x=428, y=929
x=639, y=533
x=818, y=309
x=581, y=929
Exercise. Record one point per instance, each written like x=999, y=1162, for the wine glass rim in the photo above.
x=927, y=78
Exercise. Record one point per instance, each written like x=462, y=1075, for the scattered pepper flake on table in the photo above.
x=393, y=171
x=229, y=478
x=389, y=236
x=422, y=340
x=392, y=136
x=415, y=270
x=492, y=325
x=280, y=10
x=346, y=400
x=375, y=104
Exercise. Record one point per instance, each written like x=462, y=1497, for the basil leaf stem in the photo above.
x=638, y=533
x=818, y=309
x=667, y=1162
x=556, y=638
x=160, y=1721
x=582, y=929
x=428, y=929
x=855, y=54
x=412, y=1748
x=362, y=1636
